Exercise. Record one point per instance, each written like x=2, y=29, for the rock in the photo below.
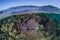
x=31, y=24
x=23, y=27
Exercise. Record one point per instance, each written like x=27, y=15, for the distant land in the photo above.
x=29, y=9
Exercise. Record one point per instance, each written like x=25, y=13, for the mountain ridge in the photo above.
x=29, y=9
x=46, y=8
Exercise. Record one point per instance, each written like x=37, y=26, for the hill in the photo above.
x=48, y=27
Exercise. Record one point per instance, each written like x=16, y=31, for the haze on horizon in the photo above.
x=4, y=4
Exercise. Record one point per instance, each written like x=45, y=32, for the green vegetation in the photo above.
x=49, y=26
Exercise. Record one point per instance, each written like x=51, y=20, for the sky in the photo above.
x=5, y=4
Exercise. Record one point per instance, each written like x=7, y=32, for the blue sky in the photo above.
x=4, y=4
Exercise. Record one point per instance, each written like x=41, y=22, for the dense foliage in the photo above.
x=48, y=27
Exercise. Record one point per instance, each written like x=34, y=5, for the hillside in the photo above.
x=32, y=26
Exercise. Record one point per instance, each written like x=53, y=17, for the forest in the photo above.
x=30, y=26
